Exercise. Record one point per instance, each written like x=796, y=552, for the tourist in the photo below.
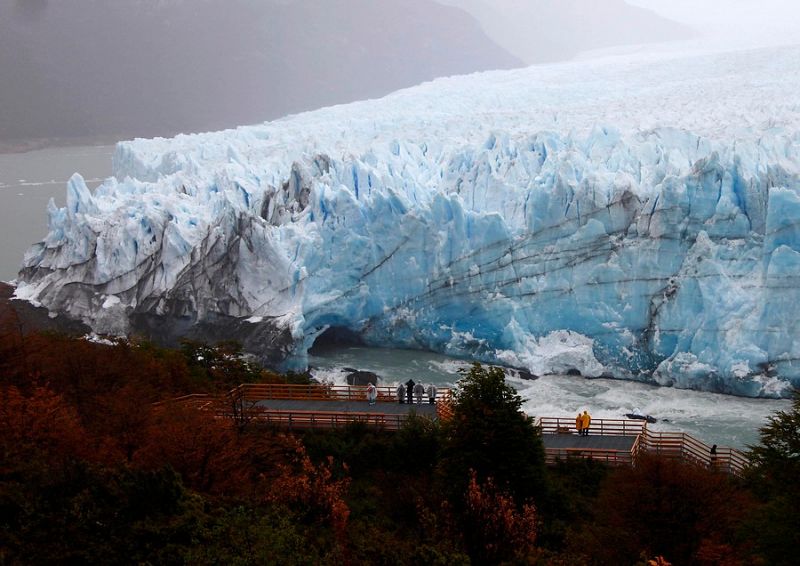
x=410, y=391
x=419, y=392
x=372, y=393
x=713, y=453
x=401, y=392
x=431, y=394
x=579, y=423
x=586, y=420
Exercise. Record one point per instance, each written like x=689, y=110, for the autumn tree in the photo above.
x=773, y=475
x=38, y=424
x=207, y=452
x=223, y=366
x=663, y=507
x=314, y=488
x=491, y=435
x=495, y=529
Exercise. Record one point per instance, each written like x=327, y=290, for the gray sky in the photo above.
x=735, y=23
x=80, y=68
x=540, y=31
x=124, y=68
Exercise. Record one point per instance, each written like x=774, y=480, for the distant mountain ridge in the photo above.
x=540, y=31
x=80, y=68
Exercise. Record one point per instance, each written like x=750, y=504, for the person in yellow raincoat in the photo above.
x=579, y=424
x=586, y=420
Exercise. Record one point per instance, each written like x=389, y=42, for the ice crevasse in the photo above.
x=630, y=216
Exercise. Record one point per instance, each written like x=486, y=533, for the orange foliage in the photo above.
x=39, y=421
x=314, y=489
x=206, y=451
x=122, y=419
x=666, y=507
x=82, y=370
x=496, y=527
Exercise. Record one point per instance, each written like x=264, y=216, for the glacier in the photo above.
x=630, y=216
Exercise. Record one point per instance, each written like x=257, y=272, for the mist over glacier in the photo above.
x=630, y=216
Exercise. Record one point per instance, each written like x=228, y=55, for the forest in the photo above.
x=95, y=469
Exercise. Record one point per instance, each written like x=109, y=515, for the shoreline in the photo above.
x=15, y=147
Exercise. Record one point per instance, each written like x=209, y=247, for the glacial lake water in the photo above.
x=715, y=419
x=29, y=180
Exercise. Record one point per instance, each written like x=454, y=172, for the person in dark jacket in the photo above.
x=410, y=391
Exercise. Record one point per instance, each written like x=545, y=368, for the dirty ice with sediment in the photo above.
x=631, y=216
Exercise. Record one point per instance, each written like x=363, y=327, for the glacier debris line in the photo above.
x=635, y=217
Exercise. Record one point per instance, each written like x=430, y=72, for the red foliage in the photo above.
x=206, y=451
x=40, y=422
x=315, y=490
x=686, y=513
x=496, y=528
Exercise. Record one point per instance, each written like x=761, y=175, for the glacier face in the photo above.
x=634, y=217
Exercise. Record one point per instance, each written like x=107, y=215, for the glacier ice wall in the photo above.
x=631, y=217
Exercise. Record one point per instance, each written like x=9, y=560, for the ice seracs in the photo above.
x=634, y=217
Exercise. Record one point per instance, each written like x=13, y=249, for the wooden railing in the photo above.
x=444, y=405
x=241, y=404
x=611, y=457
x=687, y=448
x=304, y=420
x=605, y=427
x=198, y=400
x=321, y=392
x=667, y=444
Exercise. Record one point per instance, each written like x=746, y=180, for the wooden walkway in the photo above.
x=348, y=407
x=621, y=441
x=615, y=442
x=303, y=407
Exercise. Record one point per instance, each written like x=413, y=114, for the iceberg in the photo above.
x=634, y=217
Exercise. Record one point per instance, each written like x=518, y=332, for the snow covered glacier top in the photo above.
x=635, y=217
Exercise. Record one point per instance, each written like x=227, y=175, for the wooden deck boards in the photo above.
x=591, y=442
x=354, y=407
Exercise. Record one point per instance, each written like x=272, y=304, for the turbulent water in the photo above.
x=715, y=419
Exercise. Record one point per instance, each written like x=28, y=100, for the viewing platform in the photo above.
x=322, y=406
x=621, y=441
x=313, y=406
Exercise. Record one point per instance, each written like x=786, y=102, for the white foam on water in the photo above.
x=332, y=376
x=449, y=367
x=710, y=417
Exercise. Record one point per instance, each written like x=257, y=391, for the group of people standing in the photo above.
x=582, y=422
x=410, y=390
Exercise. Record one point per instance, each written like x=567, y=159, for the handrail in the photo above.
x=317, y=391
x=444, y=406
x=183, y=399
x=242, y=405
x=686, y=447
x=293, y=419
x=677, y=445
x=605, y=427
x=610, y=456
